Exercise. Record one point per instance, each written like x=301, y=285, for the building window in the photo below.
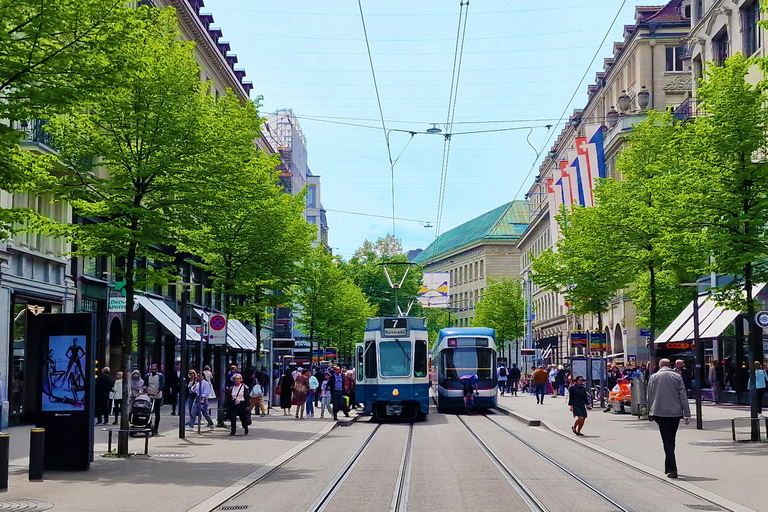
x=720, y=47
x=698, y=10
x=311, y=196
x=675, y=58
x=750, y=16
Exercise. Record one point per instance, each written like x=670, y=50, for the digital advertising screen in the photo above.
x=64, y=377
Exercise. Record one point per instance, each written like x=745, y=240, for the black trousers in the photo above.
x=337, y=398
x=102, y=409
x=239, y=411
x=513, y=386
x=668, y=431
x=158, y=405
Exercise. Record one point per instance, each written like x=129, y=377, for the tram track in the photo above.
x=399, y=501
x=525, y=493
x=605, y=497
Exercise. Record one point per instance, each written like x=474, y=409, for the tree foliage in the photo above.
x=385, y=247
x=502, y=308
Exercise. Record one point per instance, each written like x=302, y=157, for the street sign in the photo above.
x=117, y=304
x=761, y=317
x=645, y=333
x=217, y=329
x=579, y=338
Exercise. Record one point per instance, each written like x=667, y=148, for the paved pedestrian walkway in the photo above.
x=707, y=458
x=198, y=467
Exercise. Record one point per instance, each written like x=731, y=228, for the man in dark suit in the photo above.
x=173, y=382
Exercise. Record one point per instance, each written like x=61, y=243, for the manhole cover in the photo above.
x=695, y=506
x=23, y=504
x=712, y=442
x=172, y=456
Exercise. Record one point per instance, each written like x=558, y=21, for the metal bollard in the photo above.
x=5, y=448
x=36, y=451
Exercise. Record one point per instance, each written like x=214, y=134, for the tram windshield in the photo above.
x=457, y=362
x=395, y=358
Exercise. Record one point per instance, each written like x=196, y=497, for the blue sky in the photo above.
x=522, y=62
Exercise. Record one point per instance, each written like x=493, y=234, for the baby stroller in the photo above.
x=142, y=412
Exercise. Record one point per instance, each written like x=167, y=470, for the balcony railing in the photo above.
x=34, y=131
x=688, y=109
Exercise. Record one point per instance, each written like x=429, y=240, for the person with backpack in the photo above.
x=502, y=373
x=257, y=398
x=513, y=379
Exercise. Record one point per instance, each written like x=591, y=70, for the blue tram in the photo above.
x=391, y=368
x=464, y=351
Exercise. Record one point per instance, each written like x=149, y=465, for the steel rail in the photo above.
x=562, y=468
x=325, y=497
x=528, y=497
x=400, y=497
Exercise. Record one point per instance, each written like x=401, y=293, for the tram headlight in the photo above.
x=395, y=392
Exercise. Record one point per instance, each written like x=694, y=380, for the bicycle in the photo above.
x=469, y=403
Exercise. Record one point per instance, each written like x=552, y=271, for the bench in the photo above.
x=141, y=431
x=750, y=419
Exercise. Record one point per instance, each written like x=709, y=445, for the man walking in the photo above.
x=155, y=382
x=336, y=385
x=667, y=403
x=502, y=374
x=173, y=381
x=514, y=379
x=540, y=379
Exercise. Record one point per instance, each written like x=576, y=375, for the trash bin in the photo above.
x=639, y=401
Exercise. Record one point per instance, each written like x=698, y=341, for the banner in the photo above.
x=434, y=290
x=597, y=340
x=579, y=338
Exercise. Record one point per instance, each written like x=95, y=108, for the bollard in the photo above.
x=5, y=448
x=36, y=448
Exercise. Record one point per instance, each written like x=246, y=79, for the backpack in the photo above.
x=503, y=372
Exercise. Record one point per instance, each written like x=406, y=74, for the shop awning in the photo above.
x=161, y=312
x=238, y=336
x=713, y=320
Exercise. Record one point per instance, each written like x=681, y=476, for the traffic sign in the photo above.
x=761, y=317
x=217, y=329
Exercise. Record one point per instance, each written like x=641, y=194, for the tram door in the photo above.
x=359, y=373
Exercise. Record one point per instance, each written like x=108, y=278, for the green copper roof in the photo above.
x=506, y=223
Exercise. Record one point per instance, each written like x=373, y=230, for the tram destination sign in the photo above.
x=395, y=327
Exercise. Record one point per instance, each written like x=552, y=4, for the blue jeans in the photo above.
x=200, y=408
x=540, y=391
x=310, y=403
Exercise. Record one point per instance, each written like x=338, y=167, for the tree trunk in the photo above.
x=122, y=437
x=257, y=324
x=311, y=345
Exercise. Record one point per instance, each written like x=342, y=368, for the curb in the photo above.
x=262, y=472
x=704, y=494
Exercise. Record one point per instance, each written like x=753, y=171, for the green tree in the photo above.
x=345, y=322
x=50, y=54
x=386, y=247
x=133, y=150
x=502, y=308
x=318, y=280
x=584, y=273
x=436, y=319
x=728, y=178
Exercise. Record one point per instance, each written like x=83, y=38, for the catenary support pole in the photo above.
x=699, y=363
x=5, y=450
x=184, y=365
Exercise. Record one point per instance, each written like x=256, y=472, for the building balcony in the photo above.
x=33, y=131
x=688, y=109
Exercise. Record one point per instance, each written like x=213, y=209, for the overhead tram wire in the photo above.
x=568, y=105
x=456, y=74
x=347, y=212
x=381, y=114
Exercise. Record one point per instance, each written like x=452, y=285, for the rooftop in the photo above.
x=506, y=223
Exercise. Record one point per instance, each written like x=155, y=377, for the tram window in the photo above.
x=466, y=361
x=420, y=359
x=370, y=360
x=359, y=363
x=395, y=358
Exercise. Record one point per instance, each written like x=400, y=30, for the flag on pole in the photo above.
x=565, y=183
x=596, y=152
x=586, y=181
x=574, y=169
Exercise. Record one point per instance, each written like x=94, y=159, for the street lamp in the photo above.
x=183, y=343
x=699, y=360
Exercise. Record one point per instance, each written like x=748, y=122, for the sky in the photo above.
x=521, y=63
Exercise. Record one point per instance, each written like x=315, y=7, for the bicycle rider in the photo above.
x=469, y=387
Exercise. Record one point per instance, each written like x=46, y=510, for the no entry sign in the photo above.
x=217, y=329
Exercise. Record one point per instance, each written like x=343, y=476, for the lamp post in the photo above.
x=184, y=370
x=699, y=360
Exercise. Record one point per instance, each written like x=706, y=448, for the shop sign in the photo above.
x=117, y=304
x=678, y=345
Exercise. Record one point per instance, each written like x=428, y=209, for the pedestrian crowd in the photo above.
x=332, y=389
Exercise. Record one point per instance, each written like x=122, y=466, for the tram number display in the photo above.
x=395, y=327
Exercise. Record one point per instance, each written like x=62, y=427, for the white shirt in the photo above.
x=238, y=393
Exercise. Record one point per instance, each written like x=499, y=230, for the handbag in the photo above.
x=279, y=388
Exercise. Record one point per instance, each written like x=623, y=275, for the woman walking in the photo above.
x=104, y=387
x=325, y=397
x=300, y=389
x=192, y=389
x=579, y=401
x=349, y=388
x=712, y=377
x=286, y=391
x=238, y=406
x=117, y=393
x=311, y=396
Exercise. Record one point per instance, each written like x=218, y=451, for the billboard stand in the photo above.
x=63, y=365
